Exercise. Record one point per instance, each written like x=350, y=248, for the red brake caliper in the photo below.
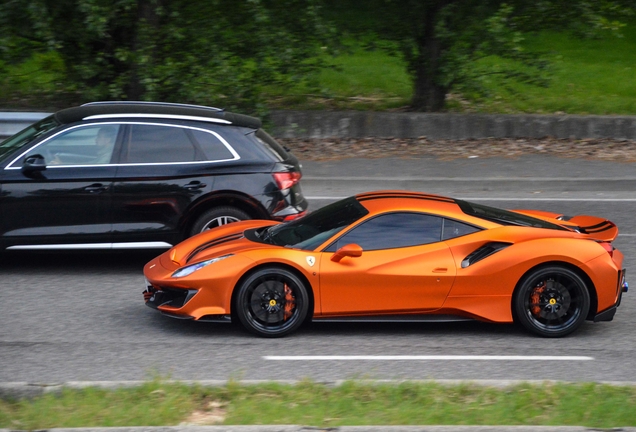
x=535, y=299
x=290, y=302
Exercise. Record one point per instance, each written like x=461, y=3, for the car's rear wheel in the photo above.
x=272, y=302
x=216, y=217
x=552, y=301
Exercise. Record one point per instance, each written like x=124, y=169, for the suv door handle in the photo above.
x=194, y=185
x=96, y=188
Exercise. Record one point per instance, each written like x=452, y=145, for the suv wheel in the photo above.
x=216, y=217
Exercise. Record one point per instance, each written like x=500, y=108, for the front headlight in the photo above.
x=188, y=270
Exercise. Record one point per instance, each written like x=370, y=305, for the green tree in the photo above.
x=442, y=41
x=216, y=52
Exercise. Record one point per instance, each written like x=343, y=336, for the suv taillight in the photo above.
x=286, y=179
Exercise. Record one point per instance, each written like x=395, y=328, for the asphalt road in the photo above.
x=81, y=317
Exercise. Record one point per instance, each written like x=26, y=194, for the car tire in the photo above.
x=272, y=302
x=217, y=216
x=551, y=301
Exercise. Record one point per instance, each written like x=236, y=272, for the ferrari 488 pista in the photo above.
x=395, y=255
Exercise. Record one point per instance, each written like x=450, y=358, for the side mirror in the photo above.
x=33, y=163
x=351, y=250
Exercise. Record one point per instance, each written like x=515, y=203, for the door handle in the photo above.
x=194, y=185
x=96, y=188
x=440, y=270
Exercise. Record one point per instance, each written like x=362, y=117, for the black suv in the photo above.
x=121, y=175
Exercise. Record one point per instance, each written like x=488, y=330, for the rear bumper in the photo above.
x=608, y=314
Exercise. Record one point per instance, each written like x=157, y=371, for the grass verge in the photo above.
x=159, y=403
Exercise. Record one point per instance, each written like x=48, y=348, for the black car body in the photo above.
x=167, y=172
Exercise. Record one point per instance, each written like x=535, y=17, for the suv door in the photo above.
x=67, y=204
x=164, y=168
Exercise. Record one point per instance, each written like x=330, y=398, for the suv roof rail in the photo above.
x=130, y=109
x=172, y=104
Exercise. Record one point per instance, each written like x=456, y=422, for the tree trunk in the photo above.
x=147, y=25
x=428, y=94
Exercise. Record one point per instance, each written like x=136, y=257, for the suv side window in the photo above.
x=86, y=145
x=160, y=144
x=393, y=230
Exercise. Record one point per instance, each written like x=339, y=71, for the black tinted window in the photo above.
x=212, y=147
x=504, y=217
x=314, y=229
x=394, y=230
x=454, y=229
x=156, y=144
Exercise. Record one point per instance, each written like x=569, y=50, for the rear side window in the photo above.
x=160, y=144
x=453, y=229
x=211, y=146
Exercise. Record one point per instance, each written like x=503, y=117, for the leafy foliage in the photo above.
x=214, y=52
x=443, y=41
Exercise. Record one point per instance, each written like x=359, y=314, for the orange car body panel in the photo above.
x=425, y=279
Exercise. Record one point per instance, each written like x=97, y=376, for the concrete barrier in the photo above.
x=360, y=124
x=13, y=122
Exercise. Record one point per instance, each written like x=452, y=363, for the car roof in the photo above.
x=157, y=110
x=400, y=200
x=406, y=200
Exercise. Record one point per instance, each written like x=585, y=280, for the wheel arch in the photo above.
x=236, y=199
x=589, y=284
x=288, y=267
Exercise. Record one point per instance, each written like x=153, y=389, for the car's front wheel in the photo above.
x=216, y=217
x=552, y=301
x=272, y=302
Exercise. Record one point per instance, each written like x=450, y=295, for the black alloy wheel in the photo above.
x=216, y=217
x=272, y=302
x=552, y=301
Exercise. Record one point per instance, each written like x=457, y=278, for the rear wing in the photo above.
x=596, y=227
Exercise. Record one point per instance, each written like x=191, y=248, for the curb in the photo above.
x=21, y=390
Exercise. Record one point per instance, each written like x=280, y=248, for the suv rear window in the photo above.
x=271, y=144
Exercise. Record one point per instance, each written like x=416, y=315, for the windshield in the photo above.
x=504, y=217
x=27, y=135
x=314, y=229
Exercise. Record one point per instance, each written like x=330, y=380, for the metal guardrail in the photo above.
x=13, y=122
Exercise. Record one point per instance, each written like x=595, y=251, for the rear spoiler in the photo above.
x=596, y=227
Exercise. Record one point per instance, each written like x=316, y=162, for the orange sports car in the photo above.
x=395, y=255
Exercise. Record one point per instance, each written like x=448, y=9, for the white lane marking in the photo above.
x=469, y=179
x=427, y=357
x=500, y=199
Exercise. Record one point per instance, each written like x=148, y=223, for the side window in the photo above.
x=89, y=145
x=157, y=144
x=212, y=147
x=393, y=230
x=454, y=229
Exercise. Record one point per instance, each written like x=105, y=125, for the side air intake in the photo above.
x=483, y=252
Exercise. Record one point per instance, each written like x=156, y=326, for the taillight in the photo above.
x=286, y=179
x=608, y=247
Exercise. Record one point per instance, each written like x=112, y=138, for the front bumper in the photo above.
x=173, y=297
